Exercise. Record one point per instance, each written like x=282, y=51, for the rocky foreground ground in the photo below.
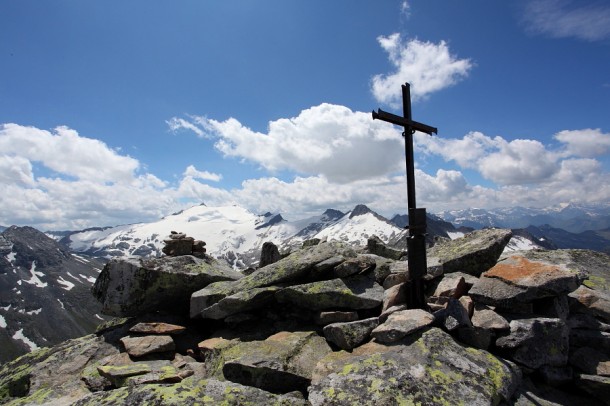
x=327, y=325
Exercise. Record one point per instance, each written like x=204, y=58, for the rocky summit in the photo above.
x=328, y=325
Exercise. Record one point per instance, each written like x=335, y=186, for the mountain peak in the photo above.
x=359, y=210
x=332, y=214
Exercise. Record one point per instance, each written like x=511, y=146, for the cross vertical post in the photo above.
x=416, y=241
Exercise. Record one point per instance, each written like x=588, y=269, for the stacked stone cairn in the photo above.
x=327, y=325
x=179, y=244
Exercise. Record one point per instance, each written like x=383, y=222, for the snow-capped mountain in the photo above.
x=570, y=217
x=232, y=232
x=44, y=292
x=358, y=225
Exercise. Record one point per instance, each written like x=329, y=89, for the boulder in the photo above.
x=352, y=266
x=377, y=247
x=537, y=342
x=596, y=303
x=473, y=254
x=246, y=300
x=351, y=334
x=157, y=328
x=453, y=316
x=140, y=346
x=269, y=254
x=354, y=292
x=429, y=371
x=517, y=279
x=282, y=363
x=132, y=286
x=299, y=267
x=400, y=324
x=485, y=318
x=394, y=296
x=323, y=318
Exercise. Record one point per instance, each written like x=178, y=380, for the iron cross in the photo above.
x=416, y=241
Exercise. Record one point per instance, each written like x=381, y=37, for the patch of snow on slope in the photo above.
x=19, y=336
x=455, y=234
x=11, y=256
x=224, y=229
x=67, y=285
x=35, y=280
x=519, y=243
x=89, y=279
x=2, y=322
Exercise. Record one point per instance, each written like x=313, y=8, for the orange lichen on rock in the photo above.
x=518, y=269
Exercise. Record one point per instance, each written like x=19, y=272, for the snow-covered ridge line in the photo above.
x=233, y=232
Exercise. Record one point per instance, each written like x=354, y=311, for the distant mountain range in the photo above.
x=233, y=233
x=44, y=292
x=569, y=217
x=236, y=234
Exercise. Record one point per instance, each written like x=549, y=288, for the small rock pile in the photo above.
x=328, y=325
x=179, y=244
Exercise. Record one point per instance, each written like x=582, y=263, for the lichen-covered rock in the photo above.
x=352, y=266
x=377, y=247
x=351, y=334
x=246, y=300
x=536, y=342
x=282, y=363
x=517, y=279
x=430, y=370
x=298, y=267
x=473, y=254
x=190, y=392
x=134, y=286
x=354, y=292
x=52, y=375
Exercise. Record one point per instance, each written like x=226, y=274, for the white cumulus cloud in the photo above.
x=204, y=175
x=428, y=67
x=586, y=143
x=327, y=139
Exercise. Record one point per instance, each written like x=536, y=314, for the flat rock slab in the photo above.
x=432, y=370
x=134, y=286
x=517, y=279
x=157, y=328
x=140, y=346
x=246, y=300
x=354, y=292
x=473, y=254
x=351, y=334
x=299, y=267
x=400, y=324
x=282, y=363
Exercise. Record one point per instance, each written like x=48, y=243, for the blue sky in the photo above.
x=125, y=111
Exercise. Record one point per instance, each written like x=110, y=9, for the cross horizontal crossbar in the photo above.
x=401, y=121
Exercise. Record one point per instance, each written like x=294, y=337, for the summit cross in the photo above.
x=416, y=241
